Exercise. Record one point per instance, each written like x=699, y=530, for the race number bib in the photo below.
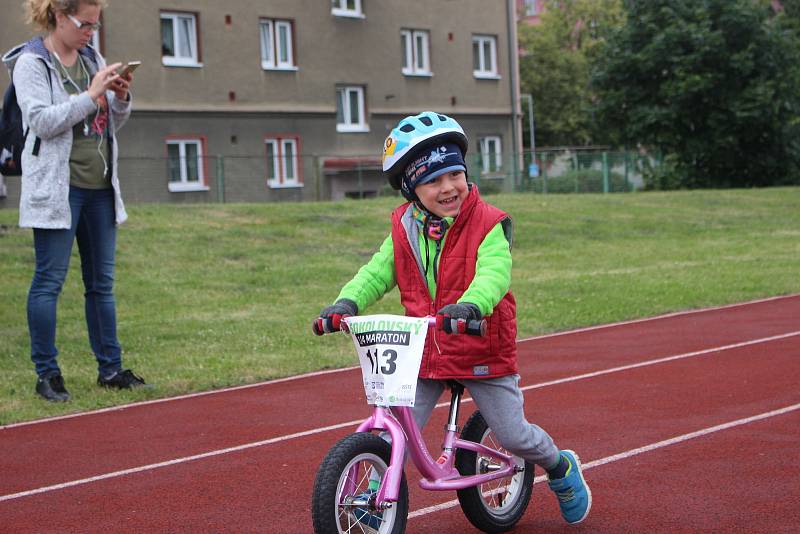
x=390, y=351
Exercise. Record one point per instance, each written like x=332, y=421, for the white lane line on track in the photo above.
x=167, y=463
x=331, y=371
x=646, y=363
x=170, y=399
x=337, y=426
x=659, y=317
x=661, y=360
x=633, y=452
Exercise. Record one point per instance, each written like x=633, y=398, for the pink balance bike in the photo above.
x=361, y=487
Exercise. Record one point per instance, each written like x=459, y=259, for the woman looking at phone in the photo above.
x=72, y=104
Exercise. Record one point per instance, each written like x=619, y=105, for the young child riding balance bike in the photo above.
x=449, y=253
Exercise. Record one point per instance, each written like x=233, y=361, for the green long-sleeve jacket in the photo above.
x=492, y=272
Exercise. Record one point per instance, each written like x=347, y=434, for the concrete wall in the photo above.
x=233, y=103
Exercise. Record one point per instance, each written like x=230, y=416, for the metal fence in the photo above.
x=566, y=170
x=586, y=171
x=319, y=177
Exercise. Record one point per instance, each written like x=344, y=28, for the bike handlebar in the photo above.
x=475, y=327
x=317, y=328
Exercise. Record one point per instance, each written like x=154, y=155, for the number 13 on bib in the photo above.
x=390, y=352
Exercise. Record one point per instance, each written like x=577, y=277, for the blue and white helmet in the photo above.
x=414, y=133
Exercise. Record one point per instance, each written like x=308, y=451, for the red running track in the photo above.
x=685, y=423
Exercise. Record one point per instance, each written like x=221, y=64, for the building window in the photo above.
x=491, y=154
x=350, y=115
x=179, y=43
x=416, y=53
x=347, y=8
x=531, y=7
x=186, y=165
x=484, y=56
x=277, y=46
x=283, y=168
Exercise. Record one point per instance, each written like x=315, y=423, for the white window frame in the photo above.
x=343, y=104
x=340, y=8
x=269, y=30
x=185, y=185
x=485, y=145
x=484, y=43
x=531, y=7
x=280, y=163
x=182, y=61
x=416, y=52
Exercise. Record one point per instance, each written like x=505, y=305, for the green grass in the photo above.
x=217, y=295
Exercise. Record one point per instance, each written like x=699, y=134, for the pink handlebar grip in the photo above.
x=317, y=326
x=475, y=327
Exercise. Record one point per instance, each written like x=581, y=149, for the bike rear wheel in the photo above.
x=344, y=477
x=499, y=504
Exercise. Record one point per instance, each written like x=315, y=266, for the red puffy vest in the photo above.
x=457, y=356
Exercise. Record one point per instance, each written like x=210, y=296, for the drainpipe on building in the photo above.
x=516, y=121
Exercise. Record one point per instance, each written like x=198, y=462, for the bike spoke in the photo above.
x=357, y=479
x=497, y=493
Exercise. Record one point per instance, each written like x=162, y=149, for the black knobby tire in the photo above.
x=506, y=499
x=329, y=508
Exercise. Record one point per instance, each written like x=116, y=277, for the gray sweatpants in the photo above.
x=501, y=404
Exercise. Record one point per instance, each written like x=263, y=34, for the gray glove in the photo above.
x=453, y=318
x=330, y=318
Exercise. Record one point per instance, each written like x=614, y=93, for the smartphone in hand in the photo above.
x=130, y=67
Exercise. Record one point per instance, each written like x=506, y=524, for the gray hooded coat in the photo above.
x=44, y=199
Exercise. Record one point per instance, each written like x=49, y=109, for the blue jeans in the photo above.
x=94, y=227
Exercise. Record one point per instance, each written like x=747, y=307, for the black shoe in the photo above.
x=122, y=379
x=51, y=387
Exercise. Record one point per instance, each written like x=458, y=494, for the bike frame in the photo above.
x=438, y=475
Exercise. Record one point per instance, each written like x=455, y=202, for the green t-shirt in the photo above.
x=86, y=165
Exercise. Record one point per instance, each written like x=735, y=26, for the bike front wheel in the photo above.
x=499, y=504
x=341, y=489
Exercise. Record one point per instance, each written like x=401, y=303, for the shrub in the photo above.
x=582, y=181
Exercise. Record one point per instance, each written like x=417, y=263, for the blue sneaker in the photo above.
x=574, y=496
x=372, y=519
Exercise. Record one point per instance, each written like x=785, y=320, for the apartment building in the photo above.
x=275, y=100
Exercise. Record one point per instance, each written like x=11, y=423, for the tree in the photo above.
x=791, y=10
x=711, y=83
x=555, y=66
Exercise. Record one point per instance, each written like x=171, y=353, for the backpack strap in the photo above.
x=38, y=142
